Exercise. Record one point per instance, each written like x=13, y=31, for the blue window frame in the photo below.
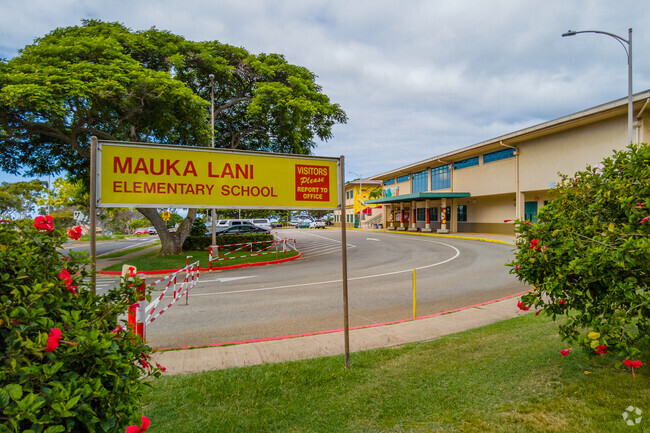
x=420, y=182
x=403, y=178
x=389, y=181
x=441, y=177
x=498, y=155
x=469, y=162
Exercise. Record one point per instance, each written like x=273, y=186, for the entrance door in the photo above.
x=530, y=211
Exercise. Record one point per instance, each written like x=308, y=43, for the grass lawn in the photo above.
x=152, y=261
x=506, y=377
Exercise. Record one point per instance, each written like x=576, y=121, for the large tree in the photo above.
x=20, y=198
x=150, y=86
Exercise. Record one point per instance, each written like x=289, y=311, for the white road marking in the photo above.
x=225, y=280
x=373, y=239
x=263, y=289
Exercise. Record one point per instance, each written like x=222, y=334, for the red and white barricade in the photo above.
x=173, y=291
x=214, y=255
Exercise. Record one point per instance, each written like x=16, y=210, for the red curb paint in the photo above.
x=331, y=331
x=220, y=268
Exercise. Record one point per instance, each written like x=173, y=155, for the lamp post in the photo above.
x=628, y=51
x=213, y=215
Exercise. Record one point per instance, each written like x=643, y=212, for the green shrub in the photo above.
x=89, y=380
x=202, y=243
x=588, y=256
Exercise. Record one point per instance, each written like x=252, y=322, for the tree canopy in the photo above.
x=20, y=198
x=106, y=80
x=150, y=86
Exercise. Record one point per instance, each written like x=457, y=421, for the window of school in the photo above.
x=441, y=177
x=403, y=178
x=421, y=214
x=499, y=155
x=462, y=213
x=420, y=182
x=389, y=181
x=469, y=162
x=433, y=214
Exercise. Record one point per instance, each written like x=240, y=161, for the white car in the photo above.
x=318, y=224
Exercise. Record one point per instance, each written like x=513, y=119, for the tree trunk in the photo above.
x=171, y=242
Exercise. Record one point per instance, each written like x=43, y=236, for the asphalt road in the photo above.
x=107, y=247
x=305, y=295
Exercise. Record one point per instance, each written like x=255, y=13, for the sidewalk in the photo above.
x=317, y=345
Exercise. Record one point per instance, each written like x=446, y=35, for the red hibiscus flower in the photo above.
x=163, y=369
x=561, y=301
x=131, y=272
x=75, y=233
x=534, y=244
x=44, y=223
x=632, y=365
x=522, y=306
x=117, y=329
x=65, y=276
x=565, y=352
x=528, y=223
x=53, y=340
x=601, y=350
x=644, y=219
x=143, y=427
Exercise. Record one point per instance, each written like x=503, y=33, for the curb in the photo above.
x=470, y=238
x=220, y=268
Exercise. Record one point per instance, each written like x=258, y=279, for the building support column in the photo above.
x=401, y=217
x=427, y=217
x=443, y=216
x=414, y=217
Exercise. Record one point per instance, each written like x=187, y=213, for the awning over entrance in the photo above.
x=417, y=197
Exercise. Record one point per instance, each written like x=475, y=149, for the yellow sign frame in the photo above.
x=166, y=176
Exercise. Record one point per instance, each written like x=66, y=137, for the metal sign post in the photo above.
x=344, y=261
x=93, y=212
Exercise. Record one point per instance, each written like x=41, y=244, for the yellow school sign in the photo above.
x=157, y=176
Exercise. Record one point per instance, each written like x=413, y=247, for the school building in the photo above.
x=476, y=188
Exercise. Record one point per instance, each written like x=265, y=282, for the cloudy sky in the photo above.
x=416, y=78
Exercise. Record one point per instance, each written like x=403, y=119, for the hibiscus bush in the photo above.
x=588, y=254
x=66, y=362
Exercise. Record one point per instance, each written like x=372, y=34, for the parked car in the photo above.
x=151, y=230
x=222, y=224
x=262, y=222
x=142, y=231
x=239, y=229
x=317, y=224
x=276, y=224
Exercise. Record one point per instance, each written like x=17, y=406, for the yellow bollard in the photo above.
x=414, y=297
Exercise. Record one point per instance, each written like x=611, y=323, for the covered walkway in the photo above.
x=423, y=211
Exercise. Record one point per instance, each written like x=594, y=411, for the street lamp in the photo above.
x=214, y=212
x=628, y=51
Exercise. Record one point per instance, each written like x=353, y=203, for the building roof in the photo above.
x=417, y=197
x=510, y=140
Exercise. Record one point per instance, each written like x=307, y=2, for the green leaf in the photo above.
x=15, y=391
